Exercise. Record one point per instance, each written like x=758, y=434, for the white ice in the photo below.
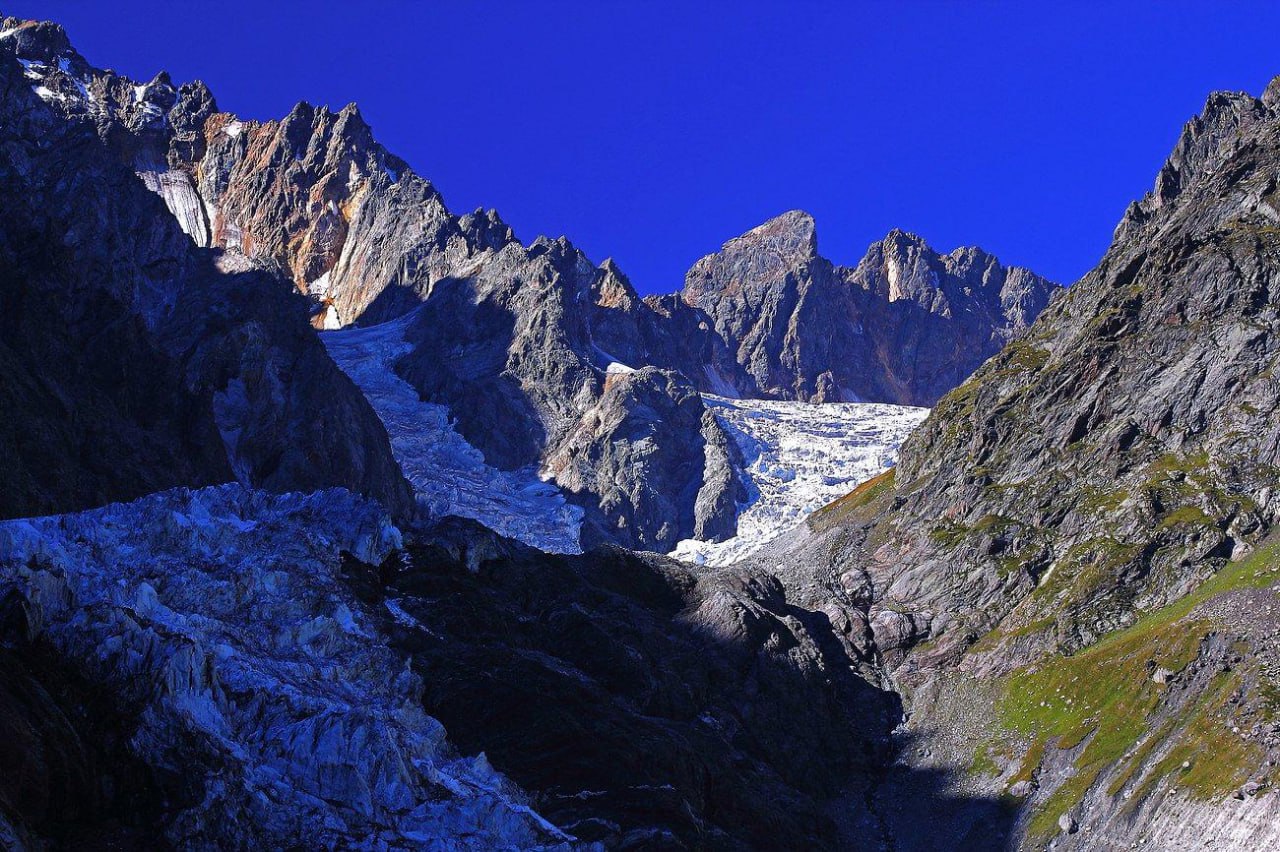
x=798, y=457
x=449, y=475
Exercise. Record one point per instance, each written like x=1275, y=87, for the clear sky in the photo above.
x=652, y=132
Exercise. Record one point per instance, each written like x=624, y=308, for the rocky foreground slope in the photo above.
x=1071, y=574
x=225, y=668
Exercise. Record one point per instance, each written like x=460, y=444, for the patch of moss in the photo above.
x=1021, y=356
x=1102, y=501
x=949, y=533
x=1085, y=567
x=1101, y=697
x=983, y=763
x=1105, y=697
x=1185, y=516
x=1207, y=758
x=844, y=508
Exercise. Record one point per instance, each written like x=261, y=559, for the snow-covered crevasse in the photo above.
x=449, y=475
x=798, y=457
x=221, y=616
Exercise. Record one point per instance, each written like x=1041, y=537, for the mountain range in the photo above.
x=336, y=519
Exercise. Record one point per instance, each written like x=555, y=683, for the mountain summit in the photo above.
x=905, y=325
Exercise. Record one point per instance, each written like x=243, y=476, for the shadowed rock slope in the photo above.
x=1072, y=556
x=130, y=360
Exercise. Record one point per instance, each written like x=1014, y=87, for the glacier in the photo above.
x=799, y=456
x=449, y=475
x=221, y=615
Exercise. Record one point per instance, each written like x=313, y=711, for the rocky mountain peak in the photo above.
x=39, y=40
x=613, y=289
x=753, y=263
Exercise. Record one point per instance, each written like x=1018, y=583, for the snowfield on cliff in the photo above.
x=798, y=457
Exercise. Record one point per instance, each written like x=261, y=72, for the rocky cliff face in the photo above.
x=507, y=344
x=1081, y=528
x=905, y=325
x=133, y=360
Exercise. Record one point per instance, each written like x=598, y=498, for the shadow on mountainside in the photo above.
x=646, y=707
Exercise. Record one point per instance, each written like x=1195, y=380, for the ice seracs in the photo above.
x=798, y=457
x=222, y=616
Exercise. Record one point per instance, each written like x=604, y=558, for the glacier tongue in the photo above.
x=221, y=616
x=798, y=457
x=449, y=475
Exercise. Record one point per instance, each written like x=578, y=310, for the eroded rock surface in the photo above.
x=1080, y=532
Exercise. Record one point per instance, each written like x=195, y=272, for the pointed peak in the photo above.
x=42, y=40
x=612, y=288
x=901, y=238
x=1271, y=94
x=796, y=223
x=791, y=235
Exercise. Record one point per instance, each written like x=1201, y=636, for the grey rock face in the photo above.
x=512, y=351
x=654, y=461
x=905, y=325
x=135, y=361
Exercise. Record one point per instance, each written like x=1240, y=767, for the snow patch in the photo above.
x=616, y=368
x=233, y=129
x=448, y=474
x=798, y=457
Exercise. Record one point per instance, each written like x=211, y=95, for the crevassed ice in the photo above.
x=798, y=457
x=448, y=474
x=225, y=611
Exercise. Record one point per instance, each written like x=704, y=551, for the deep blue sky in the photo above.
x=652, y=132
